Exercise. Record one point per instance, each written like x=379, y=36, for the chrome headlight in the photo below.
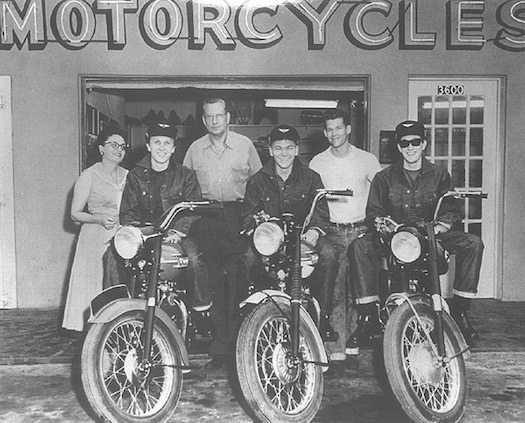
x=128, y=240
x=406, y=246
x=267, y=238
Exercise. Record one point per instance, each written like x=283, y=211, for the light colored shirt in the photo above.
x=355, y=172
x=223, y=175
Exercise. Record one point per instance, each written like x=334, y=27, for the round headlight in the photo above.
x=405, y=246
x=128, y=240
x=267, y=238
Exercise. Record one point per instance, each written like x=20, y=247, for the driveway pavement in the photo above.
x=51, y=393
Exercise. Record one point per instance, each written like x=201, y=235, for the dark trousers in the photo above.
x=342, y=316
x=364, y=254
x=116, y=273
x=218, y=233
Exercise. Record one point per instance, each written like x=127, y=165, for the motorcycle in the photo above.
x=135, y=351
x=280, y=355
x=423, y=347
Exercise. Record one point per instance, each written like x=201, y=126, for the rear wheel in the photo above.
x=276, y=388
x=118, y=385
x=426, y=389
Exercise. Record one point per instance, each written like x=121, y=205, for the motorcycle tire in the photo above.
x=274, y=390
x=426, y=390
x=116, y=388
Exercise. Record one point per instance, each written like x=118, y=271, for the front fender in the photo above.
x=396, y=299
x=259, y=296
x=282, y=298
x=122, y=305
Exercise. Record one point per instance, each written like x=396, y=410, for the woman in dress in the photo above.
x=100, y=188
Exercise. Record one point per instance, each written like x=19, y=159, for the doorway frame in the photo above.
x=501, y=146
x=8, y=280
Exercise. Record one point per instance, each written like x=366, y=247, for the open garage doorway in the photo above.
x=131, y=102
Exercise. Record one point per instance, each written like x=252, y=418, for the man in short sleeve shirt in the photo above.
x=223, y=160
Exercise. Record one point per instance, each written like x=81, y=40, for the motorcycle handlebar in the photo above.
x=170, y=214
x=340, y=192
x=458, y=194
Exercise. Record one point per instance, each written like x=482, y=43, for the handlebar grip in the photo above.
x=212, y=206
x=342, y=192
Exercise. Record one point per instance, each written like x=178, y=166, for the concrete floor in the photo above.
x=39, y=377
x=51, y=393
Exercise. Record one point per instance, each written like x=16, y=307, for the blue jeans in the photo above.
x=363, y=255
x=340, y=237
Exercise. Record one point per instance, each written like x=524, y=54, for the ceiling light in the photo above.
x=300, y=103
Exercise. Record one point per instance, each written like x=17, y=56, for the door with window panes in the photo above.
x=461, y=117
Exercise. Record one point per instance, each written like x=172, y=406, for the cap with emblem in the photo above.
x=162, y=128
x=410, y=127
x=284, y=132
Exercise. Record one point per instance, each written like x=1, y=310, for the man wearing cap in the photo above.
x=285, y=185
x=343, y=166
x=408, y=192
x=223, y=160
x=154, y=185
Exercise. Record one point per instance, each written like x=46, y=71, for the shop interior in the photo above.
x=254, y=112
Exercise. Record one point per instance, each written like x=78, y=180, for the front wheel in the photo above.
x=118, y=385
x=426, y=389
x=277, y=388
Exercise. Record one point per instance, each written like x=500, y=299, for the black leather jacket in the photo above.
x=138, y=201
x=263, y=193
x=391, y=194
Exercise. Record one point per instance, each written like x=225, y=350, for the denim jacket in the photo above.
x=263, y=193
x=391, y=194
x=138, y=201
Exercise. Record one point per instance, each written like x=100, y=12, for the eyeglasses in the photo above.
x=415, y=142
x=213, y=117
x=115, y=145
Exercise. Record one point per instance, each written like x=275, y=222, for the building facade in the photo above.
x=67, y=67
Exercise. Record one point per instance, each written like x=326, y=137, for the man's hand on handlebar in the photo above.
x=385, y=225
x=311, y=236
x=173, y=236
x=440, y=228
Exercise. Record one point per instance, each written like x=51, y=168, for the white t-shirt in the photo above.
x=355, y=172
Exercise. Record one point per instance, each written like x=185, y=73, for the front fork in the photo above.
x=296, y=293
x=151, y=298
x=435, y=288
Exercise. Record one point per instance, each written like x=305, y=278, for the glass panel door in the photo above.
x=461, y=120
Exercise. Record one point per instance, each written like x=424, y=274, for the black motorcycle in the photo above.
x=423, y=347
x=135, y=351
x=280, y=355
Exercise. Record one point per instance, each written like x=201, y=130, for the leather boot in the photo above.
x=367, y=327
x=459, y=311
x=326, y=330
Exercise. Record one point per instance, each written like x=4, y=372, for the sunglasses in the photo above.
x=416, y=142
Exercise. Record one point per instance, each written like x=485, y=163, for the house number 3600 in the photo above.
x=450, y=89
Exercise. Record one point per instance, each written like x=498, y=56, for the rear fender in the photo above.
x=123, y=305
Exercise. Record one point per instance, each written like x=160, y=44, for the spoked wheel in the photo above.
x=276, y=388
x=426, y=389
x=118, y=385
